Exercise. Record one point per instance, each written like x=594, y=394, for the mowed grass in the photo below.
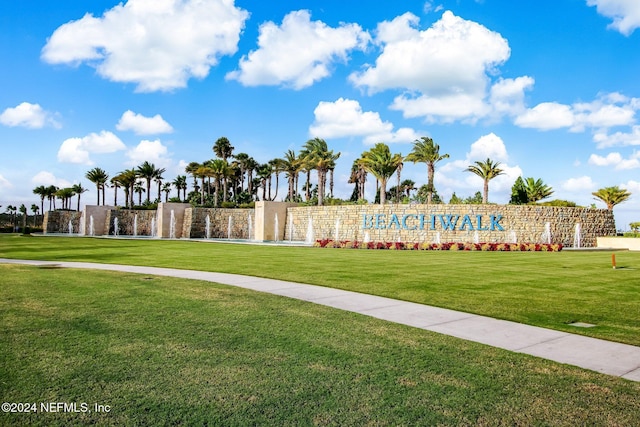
x=537, y=288
x=165, y=351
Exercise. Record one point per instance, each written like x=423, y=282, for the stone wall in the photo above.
x=131, y=222
x=449, y=223
x=58, y=222
x=223, y=223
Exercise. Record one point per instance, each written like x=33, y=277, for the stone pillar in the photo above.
x=99, y=214
x=164, y=219
x=265, y=220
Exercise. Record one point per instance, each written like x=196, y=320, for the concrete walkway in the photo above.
x=598, y=355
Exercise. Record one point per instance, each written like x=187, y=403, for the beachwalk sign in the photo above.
x=432, y=222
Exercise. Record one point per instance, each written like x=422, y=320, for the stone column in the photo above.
x=165, y=216
x=265, y=220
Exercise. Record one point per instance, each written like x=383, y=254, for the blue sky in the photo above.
x=549, y=89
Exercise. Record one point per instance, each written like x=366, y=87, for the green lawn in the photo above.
x=168, y=351
x=537, y=288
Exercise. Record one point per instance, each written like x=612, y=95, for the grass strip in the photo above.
x=180, y=352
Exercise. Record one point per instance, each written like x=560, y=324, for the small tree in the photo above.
x=519, y=193
x=612, y=196
x=635, y=227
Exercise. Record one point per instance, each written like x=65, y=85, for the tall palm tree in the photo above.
x=359, y=178
x=317, y=155
x=127, y=179
x=251, y=165
x=277, y=166
x=166, y=189
x=291, y=165
x=78, y=189
x=242, y=159
x=223, y=149
x=157, y=177
x=147, y=171
x=382, y=164
x=41, y=191
x=51, y=195
x=486, y=170
x=536, y=190
x=612, y=196
x=191, y=168
x=428, y=152
x=115, y=184
x=180, y=183
x=99, y=177
x=219, y=168
x=35, y=209
x=139, y=189
x=203, y=172
x=264, y=174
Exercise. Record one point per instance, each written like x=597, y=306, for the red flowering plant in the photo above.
x=446, y=246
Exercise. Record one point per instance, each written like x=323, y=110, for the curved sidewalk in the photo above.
x=598, y=355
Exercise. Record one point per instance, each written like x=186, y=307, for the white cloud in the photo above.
x=546, y=116
x=632, y=186
x=507, y=95
x=345, y=118
x=488, y=146
x=29, y=116
x=4, y=183
x=447, y=68
x=604, y=140
x=47, y=178
x=158, y=45
x=606, y=111
x=625, y=13
x=616, y=160
x=142, y=125
x=78, y=150
x=581, y=184
x=299, y=52
x=152, y=151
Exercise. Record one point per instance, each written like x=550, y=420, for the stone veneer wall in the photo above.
x=58, y=222
x=127, y=220
x=525, y=223
x=195, y=223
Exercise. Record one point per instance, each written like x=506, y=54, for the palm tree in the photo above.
x=222, y=148
x=536, y=190
x=486, y=170
x=612, y=196
x=428, y=152
x=41, y=191
x=408, y=186
x=115, y=184
x=219, y=168
x=51, y=195
x=203, y=172
x=35, y=209
x=382, y=164
x=166, y=188
x=317, y=155
x=242, y=159
x=180, y=183
x=291, y=165
x=65, y=194
x=99, y=177
x=157, y=177
x=147, y=171
x=250, y=166
x=277, y=166
x=264, y=174
x=191, y=168
x=127, y=179
x=138, y=188
x=78, y=189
